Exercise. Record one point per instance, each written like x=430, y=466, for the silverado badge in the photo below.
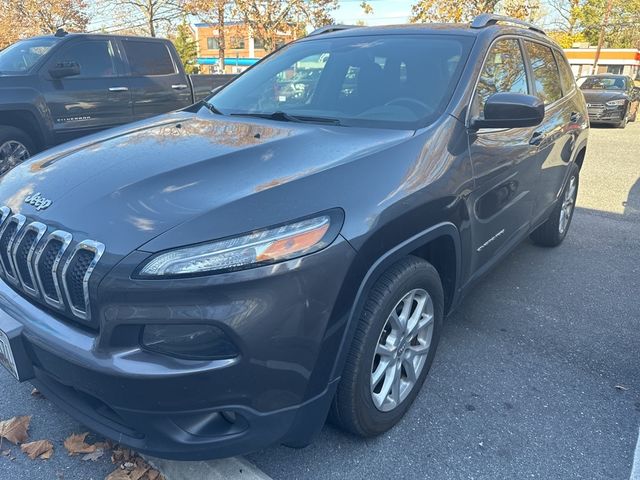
x=38, y=201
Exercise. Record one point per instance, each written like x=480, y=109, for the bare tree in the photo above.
x=214, y=12
x=153, y=12
x=267, y=19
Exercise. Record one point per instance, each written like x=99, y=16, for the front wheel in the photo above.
x=15, y=147
x=552, y=232
x=393, y=349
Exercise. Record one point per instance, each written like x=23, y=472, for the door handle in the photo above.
x=180, y=86
x=118, y=89
x=537, y=138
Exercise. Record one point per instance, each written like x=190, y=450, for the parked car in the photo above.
x=222, y=278
x=611, y=99
x=59, y=87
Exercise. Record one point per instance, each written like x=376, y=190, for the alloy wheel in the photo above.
x=402, y=350
x=567, y=205
x=12, y=153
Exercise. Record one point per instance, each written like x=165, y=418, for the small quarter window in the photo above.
x=566, y=75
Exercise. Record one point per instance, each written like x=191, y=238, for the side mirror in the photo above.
x=510, y=110
x=65, y=69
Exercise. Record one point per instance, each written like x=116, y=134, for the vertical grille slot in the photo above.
x=76, y=273
x=7, y=238
x=46, y=266
x=23, y=252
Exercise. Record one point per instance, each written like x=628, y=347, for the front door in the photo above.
x=504, y=163
x=96, y=99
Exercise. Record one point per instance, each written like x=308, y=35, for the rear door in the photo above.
x=96, y=99
x=555, y=138
x=158, y=84
x=504, y=163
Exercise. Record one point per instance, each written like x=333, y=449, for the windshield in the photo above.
x=393, y=81
x=21, y=56
x=603, y=83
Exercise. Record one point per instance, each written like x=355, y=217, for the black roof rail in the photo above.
x=331, y=28
x=486, y=19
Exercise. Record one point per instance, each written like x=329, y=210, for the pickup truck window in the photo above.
x=21, y=56
x=95, y=58
x=148, y=58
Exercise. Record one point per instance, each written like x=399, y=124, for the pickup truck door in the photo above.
x=158, y=82
x=504, y=161
x=96, y=99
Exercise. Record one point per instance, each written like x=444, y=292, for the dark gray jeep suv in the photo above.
x=218, y=279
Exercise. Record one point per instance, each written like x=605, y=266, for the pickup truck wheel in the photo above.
x=15, y=147
x=552, y=232
x=393, y=349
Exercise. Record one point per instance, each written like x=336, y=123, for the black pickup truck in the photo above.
x=63, y=86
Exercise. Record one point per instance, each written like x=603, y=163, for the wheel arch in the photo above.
x=439, y=245
x=26, y=121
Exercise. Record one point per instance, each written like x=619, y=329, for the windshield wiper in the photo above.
x=287, y=117
x=212, y=108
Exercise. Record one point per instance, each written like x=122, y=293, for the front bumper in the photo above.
x=282, y=318
x=607, y=115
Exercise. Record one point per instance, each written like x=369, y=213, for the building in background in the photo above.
x=623, y=61
x=241, y=49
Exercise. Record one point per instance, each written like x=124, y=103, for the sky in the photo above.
x=384, y=11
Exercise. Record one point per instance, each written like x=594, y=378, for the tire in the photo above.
x=552, y=232
x=15, y=147
x=354, y=408
x=623, y=123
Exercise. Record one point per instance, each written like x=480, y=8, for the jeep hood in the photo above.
x=126, y=186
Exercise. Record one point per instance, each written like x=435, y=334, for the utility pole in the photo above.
x=603, y=26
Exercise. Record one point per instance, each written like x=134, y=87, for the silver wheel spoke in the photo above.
x=402, y=348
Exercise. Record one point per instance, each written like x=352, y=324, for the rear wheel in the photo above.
x=393, y=349
x=552, y=232
x=15, y=147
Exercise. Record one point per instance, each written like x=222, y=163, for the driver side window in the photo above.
x=503, y=71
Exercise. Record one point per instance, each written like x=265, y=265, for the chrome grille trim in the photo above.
x=98, y=249
x=40, y=229
x=19, y=220
x=65, y=239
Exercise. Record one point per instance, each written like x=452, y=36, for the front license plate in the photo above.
x=6, y=355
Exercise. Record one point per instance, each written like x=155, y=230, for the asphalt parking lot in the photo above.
x=537, y=374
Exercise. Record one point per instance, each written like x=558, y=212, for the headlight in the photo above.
x=254, y=249
x=616, y=103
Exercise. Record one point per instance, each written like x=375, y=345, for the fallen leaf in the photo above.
x=93, y=456
x=37, y=393
x=75, y=444
x=621, y=387
x=5, y=453
x=153, y=475
x=15, y=429
x=118, y=474
x=39, y=449
x=138, y=472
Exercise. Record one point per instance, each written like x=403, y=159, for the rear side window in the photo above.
x=566, y=75
x=503, y=71
x=545, y=72
x=94, y=57
x=148, y=58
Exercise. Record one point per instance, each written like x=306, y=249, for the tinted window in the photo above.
x=21, y=56
x=395, y=81
x=95, y=58
x=148, y=58
x=503, y=71
x=545, y=72
x=566, y=75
